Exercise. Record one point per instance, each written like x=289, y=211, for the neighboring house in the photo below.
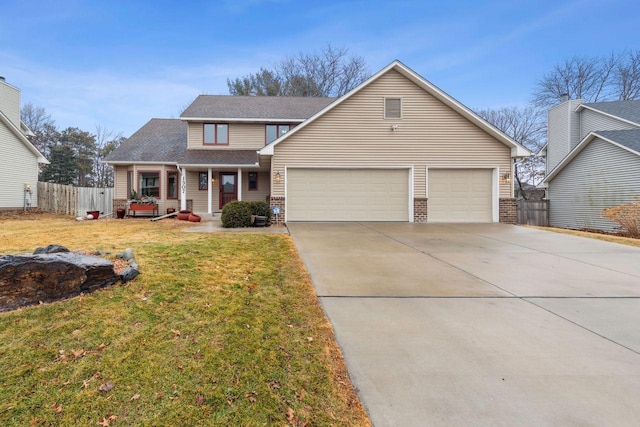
x=593, y=161
x=19, y=159
x=396, y=148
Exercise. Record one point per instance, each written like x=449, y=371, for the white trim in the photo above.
x=408, y=168
x=578, y=148
x=495, y=186
x=239, y=120
x=131, y=163
x=22, y=138
x=209, y=191
x=239, y=184
x=216, y=166
x=517, y=150
x=495, y=194
x=411, y=193
x=183, y=189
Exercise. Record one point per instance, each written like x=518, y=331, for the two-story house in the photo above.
x=593, y=161
x=19, y=159
x=396, y=148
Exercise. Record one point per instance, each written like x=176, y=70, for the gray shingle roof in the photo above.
x=628, y=110
x=219, y=157
x=629, y=138
x=160, y=140
x=255, y=107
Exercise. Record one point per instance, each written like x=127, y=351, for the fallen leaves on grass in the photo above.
x=56, y=407
x=135, y=397
x=106, y=387
x=200, y=400
x=106, y=421
x=251, y=396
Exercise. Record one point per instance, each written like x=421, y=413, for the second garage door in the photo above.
x=460, y=195
x=347, y=195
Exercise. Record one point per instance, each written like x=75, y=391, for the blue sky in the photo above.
x=119, y=63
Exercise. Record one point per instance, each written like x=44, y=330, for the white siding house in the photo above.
x=19, y=159
x=600, y=170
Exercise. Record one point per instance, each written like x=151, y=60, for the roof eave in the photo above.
x=239, y=120
x=517, y=150
x=218, y=165
x=16, y=131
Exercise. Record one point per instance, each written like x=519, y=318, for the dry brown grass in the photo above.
x=219, y=329
x=598, y=236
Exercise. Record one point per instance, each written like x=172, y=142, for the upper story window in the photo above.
x=274, y=132
x=393, y=108
x=216, y=133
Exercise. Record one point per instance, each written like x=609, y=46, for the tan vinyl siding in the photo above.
x=591, y=121
x=18, y=165
x=261, y=193
x=356, y=134
x=199, y=197
x=120, y=182
x=242, y=136
x=601, y=175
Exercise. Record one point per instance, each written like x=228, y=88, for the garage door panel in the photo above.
x=347, y=194
x=460, y=195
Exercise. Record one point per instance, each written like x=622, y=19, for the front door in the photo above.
x=228, y=188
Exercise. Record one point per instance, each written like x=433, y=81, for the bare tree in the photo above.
x=327, y=73
x=527, y=126
x=105, y=142
x=626, y=76
x=593, y=79
x=42, y=125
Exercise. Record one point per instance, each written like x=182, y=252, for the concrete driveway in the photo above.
x=481, y=324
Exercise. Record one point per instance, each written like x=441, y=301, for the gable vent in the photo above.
x=392, y=108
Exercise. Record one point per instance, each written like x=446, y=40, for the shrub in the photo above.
x=238, y=214
x=627, y=216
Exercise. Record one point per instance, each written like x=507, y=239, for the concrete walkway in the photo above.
x=215, y=226
x=483, y=325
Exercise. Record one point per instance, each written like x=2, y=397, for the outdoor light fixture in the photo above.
x=394, y=128
x=505, y=177
x=277, y=177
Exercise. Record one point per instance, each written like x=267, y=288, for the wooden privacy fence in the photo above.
x=69, y=200
x=533, y=212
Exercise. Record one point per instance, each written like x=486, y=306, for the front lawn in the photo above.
x=219, y=329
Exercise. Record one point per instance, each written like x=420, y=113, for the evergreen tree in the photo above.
x=62, y=168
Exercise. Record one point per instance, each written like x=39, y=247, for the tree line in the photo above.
x=75, y=155
x=332, y=72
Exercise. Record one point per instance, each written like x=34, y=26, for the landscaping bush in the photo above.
x=238, y=214
x=627, y=216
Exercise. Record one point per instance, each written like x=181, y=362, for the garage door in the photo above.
x=347, y=195
x=460, y=195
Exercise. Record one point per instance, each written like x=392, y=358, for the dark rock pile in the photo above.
x=53, y=273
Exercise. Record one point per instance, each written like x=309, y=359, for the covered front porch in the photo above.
x=211, y=179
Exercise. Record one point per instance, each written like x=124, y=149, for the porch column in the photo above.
x=210, y=192
x=239, y=183
x=183, y=189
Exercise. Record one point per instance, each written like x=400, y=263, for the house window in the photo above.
x=274, y=132
x=203, y=181
x=393, y=108
x=253, y=181
x=149, y=184
x=172, y=185
x=216, y=133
